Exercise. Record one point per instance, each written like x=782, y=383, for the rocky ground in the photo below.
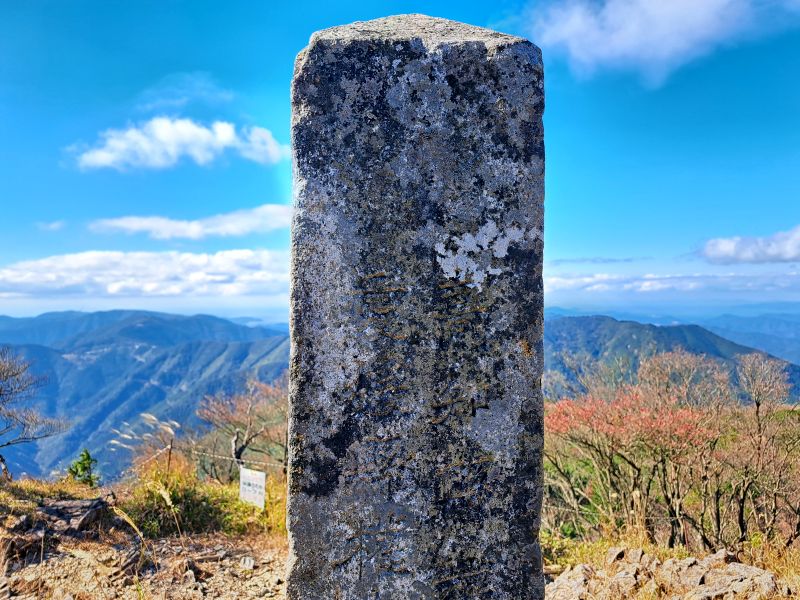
x=179, y=568
x=197, y=567
x=79, y=550
x=633, y=574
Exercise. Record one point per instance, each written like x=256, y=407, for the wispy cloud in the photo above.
x=259, y=145
x=50, y=225
x=585, y=282
x=260, y=219
x=593, y=260
x=162, y=142
x=783, y=246
x=652, y=37
x=98, y=274
x=178, y=90
x=651, y=283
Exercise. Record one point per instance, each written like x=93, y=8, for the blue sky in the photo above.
x=144, y=159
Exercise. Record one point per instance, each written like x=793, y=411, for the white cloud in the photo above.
x=650, y=284
x=105, y=274
x=783, y=246
x=261, y=146
x=590, y=282
x=653, y=37
x=180, y=89
x=593, y=260
x=50, y=225
x=260, y=219
x=162, y=142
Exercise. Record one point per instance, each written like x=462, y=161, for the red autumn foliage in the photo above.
x=630, y=418
x=684, y=450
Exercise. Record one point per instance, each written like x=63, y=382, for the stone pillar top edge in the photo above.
x=431, y=31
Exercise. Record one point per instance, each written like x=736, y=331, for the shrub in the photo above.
x=162, y=503
x=82, y=469
x=251, y=426
x=670, y=454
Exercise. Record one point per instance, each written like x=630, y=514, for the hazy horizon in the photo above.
x=642, y=313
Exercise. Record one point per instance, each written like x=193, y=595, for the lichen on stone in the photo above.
x=416, y=313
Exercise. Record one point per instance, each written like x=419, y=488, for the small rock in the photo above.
x=624, y=582
x=718, y=559
x=684, y=574
x=634, y=556
x=651, y=563
x=572, y=584
x=22, y=523
x=614, y=554
x=247, y=563
x=737, y=580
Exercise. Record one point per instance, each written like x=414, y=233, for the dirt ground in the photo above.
x=170, y=569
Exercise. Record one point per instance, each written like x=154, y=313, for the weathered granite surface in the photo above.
x=416, y=313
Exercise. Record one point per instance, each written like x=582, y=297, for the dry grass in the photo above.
x=567, y=552
x=163, y=503
x=164, y=500
x=784, y=562
x=23, y=496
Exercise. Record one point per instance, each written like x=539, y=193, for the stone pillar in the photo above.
x=416, y=312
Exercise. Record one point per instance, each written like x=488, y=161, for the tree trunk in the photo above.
x=5, y=474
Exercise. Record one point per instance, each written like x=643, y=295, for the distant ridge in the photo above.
x=106, y=368
x=778, y=333
x=602, y=338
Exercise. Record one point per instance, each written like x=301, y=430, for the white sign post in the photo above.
x=252, y=487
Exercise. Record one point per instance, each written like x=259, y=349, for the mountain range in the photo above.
x=105, y=369
x=777, y=334
x=602, y=338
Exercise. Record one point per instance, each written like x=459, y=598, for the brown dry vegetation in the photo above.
x=170, y=535
x=681, y=456
x=174, y=531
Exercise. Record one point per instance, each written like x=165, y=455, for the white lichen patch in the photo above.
x=415, y=407
x=472, y=257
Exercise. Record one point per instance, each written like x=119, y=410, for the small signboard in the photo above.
x=252, y=487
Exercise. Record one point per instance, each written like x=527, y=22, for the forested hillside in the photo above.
x=104, y=369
